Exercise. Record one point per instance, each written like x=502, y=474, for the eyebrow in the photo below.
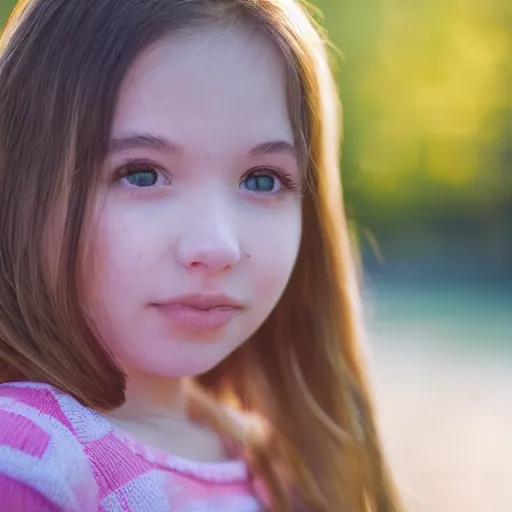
x=275, y=147
x=143, y=141
x=148, y=141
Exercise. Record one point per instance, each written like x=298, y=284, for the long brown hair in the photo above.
x=61, y=66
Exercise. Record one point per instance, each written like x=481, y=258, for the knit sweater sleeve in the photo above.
x=16, y=495
x=41, y=461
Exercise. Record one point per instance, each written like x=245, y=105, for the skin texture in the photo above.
x=206, y=225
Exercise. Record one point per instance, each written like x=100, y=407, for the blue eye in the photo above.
x=260, y=182
x=139, y=176
x=142, y=178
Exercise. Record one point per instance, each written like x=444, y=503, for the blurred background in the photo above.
x=427, y=92
x=427, y=167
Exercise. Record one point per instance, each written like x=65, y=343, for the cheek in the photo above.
x=116, y=268
x=274, y=251
x=120, y=246
x=110, y=265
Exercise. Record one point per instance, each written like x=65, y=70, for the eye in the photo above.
x=142, y=176
x=263, y=181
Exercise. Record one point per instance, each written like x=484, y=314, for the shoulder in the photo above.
x=43, y=465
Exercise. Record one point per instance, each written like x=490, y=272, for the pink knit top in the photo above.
x=57, y=455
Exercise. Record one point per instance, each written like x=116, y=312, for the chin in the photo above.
x=168, y=358
x=181, y=369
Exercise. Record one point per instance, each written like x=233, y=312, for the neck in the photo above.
x=150, y=398
x=157, y=412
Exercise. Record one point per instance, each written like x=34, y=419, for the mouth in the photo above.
x=204, y=302
x=200, y=313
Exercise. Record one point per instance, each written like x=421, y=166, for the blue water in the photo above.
x=462, y=317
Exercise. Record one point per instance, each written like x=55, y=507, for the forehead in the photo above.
x=209, y=86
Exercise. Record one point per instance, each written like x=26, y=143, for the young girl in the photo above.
x=178, y=309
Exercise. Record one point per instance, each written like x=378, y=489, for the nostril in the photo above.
x=212, y=259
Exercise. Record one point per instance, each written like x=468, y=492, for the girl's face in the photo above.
x=199, y=219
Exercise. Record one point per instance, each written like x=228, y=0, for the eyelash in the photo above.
x=287, y=181
x=134, y=167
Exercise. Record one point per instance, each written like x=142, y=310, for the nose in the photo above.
x=210, y=246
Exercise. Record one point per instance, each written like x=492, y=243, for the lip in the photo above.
x=199, y=314
x=204, y=301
